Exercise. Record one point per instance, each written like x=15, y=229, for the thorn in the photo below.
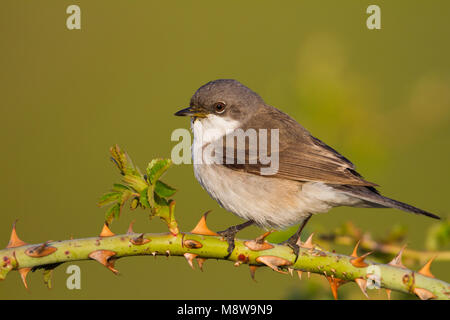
x=40, y=250
x=357, y=261
x=426, y=268
x=139, y=240
x=362, y=283
x=23, y=274
x=252, y=271
x=424, y=294
x=259, y=243
x=355, y=250
x=106, y=232
x=308, y=244
x=335, y=283
x=237, y=263
x=104, y=257
x=291, y=271
x=309, y=275
x=154, y=254
x=192, y=244
x=274, y=262
x=200, y=262
x=202, y=228
x=397, y=261
x=388, y=292
x=130, y=227
x=262, y=238
x=167, y=253
x=299, y=273
x=14, y=240
x=190, y=257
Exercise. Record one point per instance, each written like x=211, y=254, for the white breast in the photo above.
x=270, y=202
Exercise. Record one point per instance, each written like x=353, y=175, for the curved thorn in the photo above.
x=252, y=271
x=425, y=270
x=104, y=257
x=274, y=262
x=397, y=261
x=202, y=228
x=200, y=262
x=335, y=283
x=14, y=240
x=424, y=294
x=130, y=227
x=362, y=284
x=359, y=261
x=190, y=257
x=106, y=232
x=23, y=274
x=308, y=244
x=388, y=292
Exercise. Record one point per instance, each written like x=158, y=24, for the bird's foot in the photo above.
x=229, y=235
x=293, y=243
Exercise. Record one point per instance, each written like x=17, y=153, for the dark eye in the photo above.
x=219, y=107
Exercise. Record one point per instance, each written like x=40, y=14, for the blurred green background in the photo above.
x=380, y=97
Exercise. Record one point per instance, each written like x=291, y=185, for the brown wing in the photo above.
x=302, y=157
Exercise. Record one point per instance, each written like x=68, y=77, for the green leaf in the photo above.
x=134, y=203
x=109, y=198
x=120, y=187
x=123, y=162
x=112, y=213
x=164, y=190
x=48, y=278
x=161, y=202
x=156, y=168
x=135, y=182
x=144, y=198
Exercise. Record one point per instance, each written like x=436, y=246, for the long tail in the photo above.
x=372, y=197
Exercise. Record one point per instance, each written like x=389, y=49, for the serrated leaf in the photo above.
x=109, y=198
x=135, y=182
x=164, y=190
x=156, y=168
x=123, y=162
x=112, y=213
x=144, y=198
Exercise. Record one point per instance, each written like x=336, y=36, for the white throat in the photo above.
x=212, y=128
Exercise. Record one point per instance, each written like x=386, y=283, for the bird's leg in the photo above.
x=294, y=239
x=230, y=233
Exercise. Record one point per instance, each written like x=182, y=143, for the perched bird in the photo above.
x=308, y=177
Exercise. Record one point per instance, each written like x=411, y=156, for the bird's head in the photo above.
x=226, y=99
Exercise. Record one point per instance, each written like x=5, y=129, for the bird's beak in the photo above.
x=191, y=112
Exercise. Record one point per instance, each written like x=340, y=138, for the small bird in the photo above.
x=309, y=177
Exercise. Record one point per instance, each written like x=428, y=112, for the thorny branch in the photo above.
x=150, y=193
x=201, y=244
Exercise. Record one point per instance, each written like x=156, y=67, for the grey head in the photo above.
x=226, y=98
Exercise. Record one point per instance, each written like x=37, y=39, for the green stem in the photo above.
x=333, y=265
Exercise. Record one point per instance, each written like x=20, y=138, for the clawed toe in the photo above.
x=228, y=235
x=292, y=243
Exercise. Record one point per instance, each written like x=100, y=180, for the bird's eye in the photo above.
x=219, y=107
